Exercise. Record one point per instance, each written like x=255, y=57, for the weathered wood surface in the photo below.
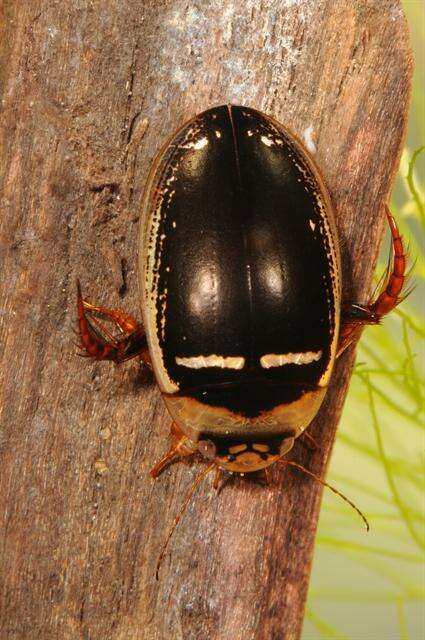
x=90, y=90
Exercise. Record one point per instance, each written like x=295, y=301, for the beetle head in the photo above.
x=245, y=457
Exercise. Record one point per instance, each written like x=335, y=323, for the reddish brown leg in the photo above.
x=125, y=322
x=355, y=317
x=181, y=447
x=99, y=344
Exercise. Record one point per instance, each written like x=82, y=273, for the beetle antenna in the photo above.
x=329, y=486
x=195, y=484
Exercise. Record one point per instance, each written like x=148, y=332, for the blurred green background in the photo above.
x=370, y=586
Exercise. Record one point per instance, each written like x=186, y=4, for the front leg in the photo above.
x=355, y=316
x=100, y=344
x=181, y=447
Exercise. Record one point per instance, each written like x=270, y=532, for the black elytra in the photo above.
x=240, y=265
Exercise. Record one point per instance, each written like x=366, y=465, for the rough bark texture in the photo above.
x=90, y=89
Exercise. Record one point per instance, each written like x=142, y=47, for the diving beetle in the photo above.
x=240, y=285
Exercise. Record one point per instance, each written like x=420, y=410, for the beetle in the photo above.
x=240, y=286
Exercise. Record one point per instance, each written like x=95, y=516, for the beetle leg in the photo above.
x=355, y=317
x=124, y=321
x=181, y=447
x=103, y=331
x=99, y=344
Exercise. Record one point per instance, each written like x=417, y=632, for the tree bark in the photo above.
x=90, y=90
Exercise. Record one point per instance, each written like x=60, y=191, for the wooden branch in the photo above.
x=89, y=91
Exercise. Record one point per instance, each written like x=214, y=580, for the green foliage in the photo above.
x=371, y=585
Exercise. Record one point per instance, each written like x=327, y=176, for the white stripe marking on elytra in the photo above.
x=279, y=359
x=198, y=144
x=265, y=140
x=200, y=362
